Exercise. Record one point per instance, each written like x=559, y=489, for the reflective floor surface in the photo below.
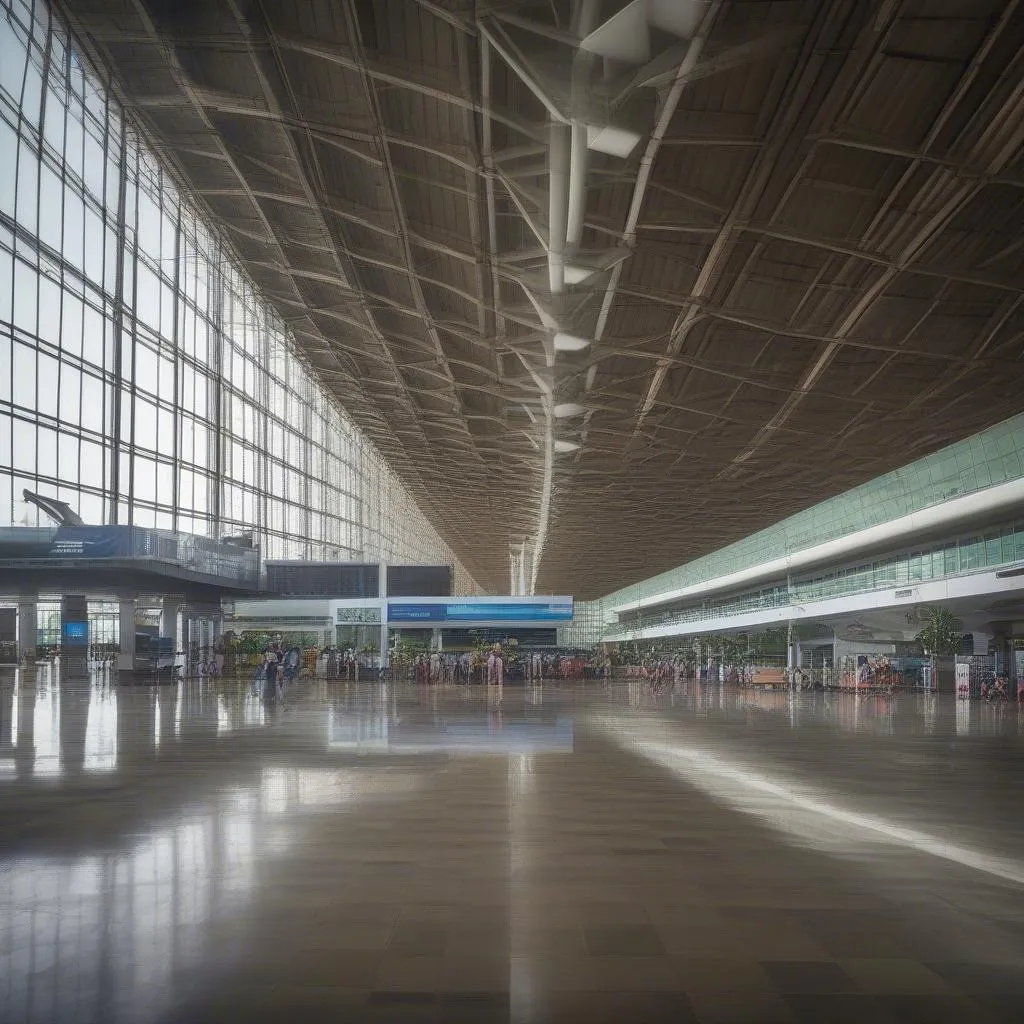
x=568, y=853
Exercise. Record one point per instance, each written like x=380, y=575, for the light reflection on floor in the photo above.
x=558, y=853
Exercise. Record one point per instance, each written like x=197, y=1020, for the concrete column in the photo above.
x=383, y=592
x=8, y=727
x=28, y=624
x=74, y=609
x=790, y=661
x=169, y=620
x=435, y=640
x=983, y=642
x=126, y=628
x=74, y=645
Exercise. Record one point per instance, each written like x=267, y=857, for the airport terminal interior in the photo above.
x=511, y=511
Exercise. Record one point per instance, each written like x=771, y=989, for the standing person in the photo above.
x=279, y=654
x=270, y=689
x=491, y=668
x=332, y=664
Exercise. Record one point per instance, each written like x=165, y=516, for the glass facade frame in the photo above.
x=143, y=378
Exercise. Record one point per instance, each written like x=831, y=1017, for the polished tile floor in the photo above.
x=583, y=853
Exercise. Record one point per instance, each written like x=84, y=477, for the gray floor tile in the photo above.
x=809, y=977
x=622, y=940
x=244, y=868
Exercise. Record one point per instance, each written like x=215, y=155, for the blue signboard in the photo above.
x=67, y=542
x=91, y=542
x=481, y=611
x=398, y=612
x=76, y=632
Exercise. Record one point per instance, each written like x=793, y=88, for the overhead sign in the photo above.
x=67, y=542
x=557, y=610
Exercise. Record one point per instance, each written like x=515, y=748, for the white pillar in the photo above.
x=789, y=653
x=169, y=620
x=126, y=632
x=28, y=624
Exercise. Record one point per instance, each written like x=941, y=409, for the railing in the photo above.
x=797, y=594
x=198, y=554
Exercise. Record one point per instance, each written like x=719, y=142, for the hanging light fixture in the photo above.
x=566, y=409
x=570, y=342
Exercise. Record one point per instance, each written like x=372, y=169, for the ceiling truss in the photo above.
x=612, y=284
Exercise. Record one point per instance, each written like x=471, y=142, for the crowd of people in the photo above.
x=450, y=668
x=277, y=669
x=333, y=664
x=659, y=669
x=495, y=666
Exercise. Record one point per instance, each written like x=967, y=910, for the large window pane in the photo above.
x=23, y=455
x=24, y=376
x=67, y=458
x=8, y=160
x=13, y=57
x=46, y=452
x=71, y=324
x=74, y=228
x=49, y=310
x=70, y=393
x=25, y=297
x=28, y=188
x=145, y=423
x=93, y=401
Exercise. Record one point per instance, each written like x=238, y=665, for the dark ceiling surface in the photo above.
x=802, y=267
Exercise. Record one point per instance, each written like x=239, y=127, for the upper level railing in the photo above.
x=995, y=547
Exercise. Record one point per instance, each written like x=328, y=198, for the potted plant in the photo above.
x=941, y=637
x=942, y=634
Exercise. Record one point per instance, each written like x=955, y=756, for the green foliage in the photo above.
x=407, y=650
x=942, y=633
x=253, y=641
x=732, y=649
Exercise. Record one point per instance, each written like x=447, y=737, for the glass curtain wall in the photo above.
x=997, y=546
x=142, y=378
x=993, y=457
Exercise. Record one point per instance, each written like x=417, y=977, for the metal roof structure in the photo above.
x=620, y=282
